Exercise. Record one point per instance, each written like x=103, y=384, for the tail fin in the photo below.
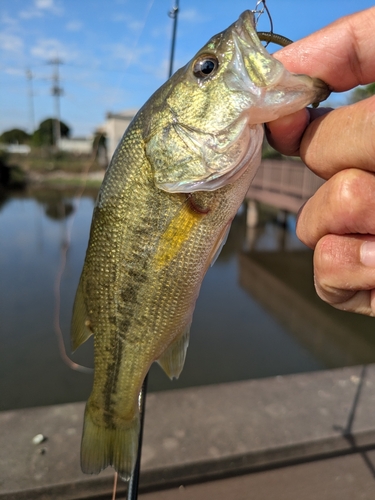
x=115, y=444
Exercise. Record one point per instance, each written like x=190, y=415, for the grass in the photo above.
x=41, y=163
x=60, y=182
x=45, y=160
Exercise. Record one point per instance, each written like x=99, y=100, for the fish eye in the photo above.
x=205, y=65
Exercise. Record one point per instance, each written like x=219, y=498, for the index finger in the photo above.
x=341, y=54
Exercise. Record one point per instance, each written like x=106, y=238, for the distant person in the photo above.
x=338, y=222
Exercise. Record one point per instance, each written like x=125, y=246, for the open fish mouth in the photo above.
x=252, y=61
x=220, y=158
x=238, y=86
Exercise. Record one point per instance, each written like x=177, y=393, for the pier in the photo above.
x=283, y=184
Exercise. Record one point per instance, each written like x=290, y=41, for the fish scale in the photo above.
x=174, y=185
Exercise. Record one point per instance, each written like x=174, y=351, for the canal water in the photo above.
x=257, y=315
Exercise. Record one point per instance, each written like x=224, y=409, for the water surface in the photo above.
x=233, y=337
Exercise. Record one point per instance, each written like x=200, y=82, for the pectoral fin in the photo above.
x=80, y=327
x=173, y=358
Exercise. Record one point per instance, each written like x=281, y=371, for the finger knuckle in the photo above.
x=346, y=184
x=329, y=260
x=348, y=190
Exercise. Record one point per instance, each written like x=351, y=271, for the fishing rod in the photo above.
x=173, y=14
x=268, y=37
x=134, y=478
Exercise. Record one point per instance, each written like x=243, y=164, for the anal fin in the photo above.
x=173, y=358
x=80, y=327
x=222, y=239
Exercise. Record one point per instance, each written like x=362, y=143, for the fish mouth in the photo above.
x=257, y=66
x=256, y=89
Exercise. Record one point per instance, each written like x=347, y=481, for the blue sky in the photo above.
x=115, y=53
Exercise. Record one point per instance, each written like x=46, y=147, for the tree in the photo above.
x=15, y=136
x=43, y=136
x=361, y=93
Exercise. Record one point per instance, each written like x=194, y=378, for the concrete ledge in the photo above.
x=198, y=433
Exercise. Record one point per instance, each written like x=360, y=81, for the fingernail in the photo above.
x=368, y=253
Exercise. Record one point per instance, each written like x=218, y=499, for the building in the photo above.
x=115, y=126
x=78, y=145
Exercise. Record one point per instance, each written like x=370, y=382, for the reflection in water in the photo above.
x=60, y=210
x=233, y=335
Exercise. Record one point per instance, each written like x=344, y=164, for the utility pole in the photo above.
x=56, y=91
x=173, y=14
x=29, y=77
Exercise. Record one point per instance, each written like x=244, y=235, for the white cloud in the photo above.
x=40, y=7
x=128, y=54
x=191, y=15
x=159, y=71
x=130, y=23
x=134, y=25
x=14, y=71
x=119, y=17
x=44, y=4
x=9, y=21
x=49, y=48
x=162, y=31
x=11, y=43
x=49, y=5
x=74, y=26
x=30, y=13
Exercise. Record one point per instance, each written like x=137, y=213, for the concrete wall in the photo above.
x=78, y=145
x=198, y=434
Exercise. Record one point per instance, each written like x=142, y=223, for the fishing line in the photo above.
x=135, y=44
x=268, y=36
x=134, y=480
x=114, y=491
x=258, y=12
x=63, y=259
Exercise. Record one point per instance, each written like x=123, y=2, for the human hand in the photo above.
x=338, y=222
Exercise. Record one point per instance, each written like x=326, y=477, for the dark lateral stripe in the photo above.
x=136, y=277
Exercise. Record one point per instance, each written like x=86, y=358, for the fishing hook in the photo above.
x=258, y=12
x=268, y=36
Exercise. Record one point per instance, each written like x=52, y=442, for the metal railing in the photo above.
x=284, y=184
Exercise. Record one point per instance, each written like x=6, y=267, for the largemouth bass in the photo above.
x=170, y=193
